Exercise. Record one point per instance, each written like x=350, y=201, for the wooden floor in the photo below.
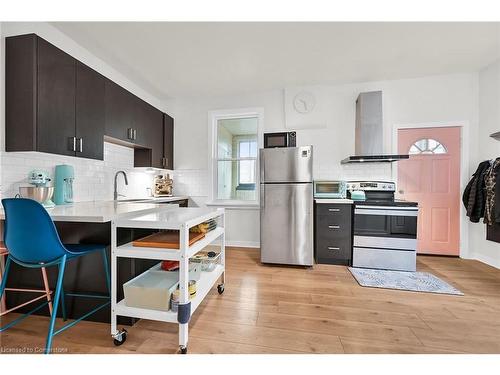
x=269, y=309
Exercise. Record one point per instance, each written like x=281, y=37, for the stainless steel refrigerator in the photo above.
x=286, y=206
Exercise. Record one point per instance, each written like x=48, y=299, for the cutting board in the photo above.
x=166, y=240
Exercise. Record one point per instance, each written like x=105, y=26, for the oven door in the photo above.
x=385, y=221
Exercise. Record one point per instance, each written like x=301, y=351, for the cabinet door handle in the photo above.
x=130, y=133
x=72, y=143
x=333, y=248
x=80, y=144
x=334, y=226
x=134, y=134
x=334, y=209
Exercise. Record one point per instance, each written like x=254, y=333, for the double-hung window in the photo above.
x=247, y=163
x=235, y=145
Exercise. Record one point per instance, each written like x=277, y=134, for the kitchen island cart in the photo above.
x=180, y=219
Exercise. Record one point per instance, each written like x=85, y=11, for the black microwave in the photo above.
x=282, y=139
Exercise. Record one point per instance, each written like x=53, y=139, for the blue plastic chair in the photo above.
x=33, y=242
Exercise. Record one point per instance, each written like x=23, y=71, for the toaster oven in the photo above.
x=330, y=189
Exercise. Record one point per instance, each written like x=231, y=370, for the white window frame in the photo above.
x=213, y=118
x=245, y=139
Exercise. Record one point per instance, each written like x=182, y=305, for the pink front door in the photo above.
x=431, y=177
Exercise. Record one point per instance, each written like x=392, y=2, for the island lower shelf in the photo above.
x=203, y=287
x=128, y=250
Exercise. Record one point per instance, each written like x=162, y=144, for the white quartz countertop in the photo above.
x=334, y=201
x=155, y=199
x=101, y=211
x=170, y=218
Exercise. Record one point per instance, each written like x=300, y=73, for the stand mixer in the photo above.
x=40, y=192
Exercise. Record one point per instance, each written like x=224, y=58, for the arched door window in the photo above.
x=427, y=146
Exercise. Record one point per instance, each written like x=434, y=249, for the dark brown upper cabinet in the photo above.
x=56, y=100
x=160, y=151
x=133, y=122
x=56, y=104
x=168, y=142
x=120, y=112
x=52, y=100
x=149, y=125
x=90, y=112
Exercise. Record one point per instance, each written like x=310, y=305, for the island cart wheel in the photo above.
x=183, y=349
x=120, y=337
x=220, y=288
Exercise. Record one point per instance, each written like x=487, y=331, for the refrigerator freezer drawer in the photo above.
x=386, y=259
x=286, y=224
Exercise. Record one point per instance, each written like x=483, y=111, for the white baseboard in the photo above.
x=494, y=262
x=243, y=244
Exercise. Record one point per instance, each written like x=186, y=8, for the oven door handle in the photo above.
x=398, y=208
x=387, y=212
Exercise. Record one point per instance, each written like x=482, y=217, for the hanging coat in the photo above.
x=496, y=210
x=491, y=179
x=474, y=196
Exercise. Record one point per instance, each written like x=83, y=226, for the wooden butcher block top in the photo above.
x=166, y=240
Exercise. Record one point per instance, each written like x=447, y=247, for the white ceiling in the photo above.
x=191, y=59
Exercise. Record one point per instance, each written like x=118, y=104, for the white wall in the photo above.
x=94, y=179
x=488, y=148
x=450, y=98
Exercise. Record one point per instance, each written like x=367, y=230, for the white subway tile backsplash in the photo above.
x=367, y=171
x=195, y=182
x=192, y=182
x=93, y=178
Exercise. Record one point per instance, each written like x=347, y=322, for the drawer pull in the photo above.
x=334, y=209
x=333, y=248
x=334, y=226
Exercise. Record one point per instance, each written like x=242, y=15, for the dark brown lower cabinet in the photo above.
x=85, y=274
x=333, y=233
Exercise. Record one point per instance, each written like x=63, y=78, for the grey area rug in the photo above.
x=412, y=281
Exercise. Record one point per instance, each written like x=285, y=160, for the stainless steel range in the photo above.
x=385, y=229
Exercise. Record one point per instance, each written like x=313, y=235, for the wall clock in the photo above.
x=306, y=107
x=304, y=102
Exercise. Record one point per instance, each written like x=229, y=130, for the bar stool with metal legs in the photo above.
x=46, y=292
x=33, y=242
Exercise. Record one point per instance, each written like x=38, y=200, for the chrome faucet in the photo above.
x=115, y=194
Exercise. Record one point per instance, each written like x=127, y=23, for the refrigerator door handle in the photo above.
x=262, y=172
x=262, y=196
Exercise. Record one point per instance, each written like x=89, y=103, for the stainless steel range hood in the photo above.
x=369, y=131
